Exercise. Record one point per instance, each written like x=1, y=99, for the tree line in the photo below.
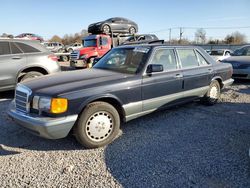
x=200, y=38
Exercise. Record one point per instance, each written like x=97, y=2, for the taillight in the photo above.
x=53, y=57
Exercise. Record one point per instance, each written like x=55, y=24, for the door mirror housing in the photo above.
x=154, y=68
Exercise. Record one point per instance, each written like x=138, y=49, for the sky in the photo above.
x=60, y=17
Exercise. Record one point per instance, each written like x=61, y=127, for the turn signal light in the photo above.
x=59, y=105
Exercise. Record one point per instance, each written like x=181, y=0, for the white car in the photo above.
x=54, y=46
x=220, y=54
x=70, y=48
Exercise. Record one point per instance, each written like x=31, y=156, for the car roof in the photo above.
x=34, y=43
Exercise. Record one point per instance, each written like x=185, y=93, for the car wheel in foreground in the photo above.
x=98, y=125
x=213, y=93
x=31, y=75
x=132, y=30
x=106, y=29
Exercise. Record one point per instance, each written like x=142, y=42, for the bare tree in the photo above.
x=235, y=38
x=200, y=36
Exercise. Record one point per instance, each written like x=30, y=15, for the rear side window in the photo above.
x=4, y=48
x=166, y=58
x=188, y=58
x=15, y=49
x=26, y=48
x=201, y=59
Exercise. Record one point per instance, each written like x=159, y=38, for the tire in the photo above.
x=30, y=75
x=106, y=29
x=98, y=125
x=132, y=30
x=64, y=58
x=213, y=94
x=70, y=50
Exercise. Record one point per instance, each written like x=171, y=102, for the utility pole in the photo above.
x=170, y=36
x=181, y=33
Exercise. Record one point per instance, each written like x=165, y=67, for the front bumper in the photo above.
x=51, y=128
x=241, y=73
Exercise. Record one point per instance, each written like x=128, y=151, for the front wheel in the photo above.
x=98, y=125
x=106, y=29
x=30, y=75
x=213, y=93
x=132, y=30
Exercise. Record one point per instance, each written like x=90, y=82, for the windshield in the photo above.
x=124, y=60
x=89, y=43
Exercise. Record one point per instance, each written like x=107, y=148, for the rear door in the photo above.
x=11, y=60
x=161, y=88
x=196, y=70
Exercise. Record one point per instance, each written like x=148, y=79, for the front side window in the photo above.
x=4, y=48
x=187, y=58
x=166, y=58
x=26, y=48
x=103, y=41
x=124, y=60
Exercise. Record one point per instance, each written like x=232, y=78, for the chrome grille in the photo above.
x=22, y=98
x=74, y=55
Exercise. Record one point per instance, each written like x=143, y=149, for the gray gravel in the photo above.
x=188, y=146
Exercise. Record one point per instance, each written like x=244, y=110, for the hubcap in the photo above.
x=106, y=29
x=214, y=92
x=132, y=30
x=99, y=126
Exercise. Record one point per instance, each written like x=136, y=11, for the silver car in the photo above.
x=24, y=59
x=240, y=61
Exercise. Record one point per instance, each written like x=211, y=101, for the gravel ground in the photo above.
x=187, y=146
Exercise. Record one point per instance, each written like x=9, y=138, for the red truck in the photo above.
x=93, y=46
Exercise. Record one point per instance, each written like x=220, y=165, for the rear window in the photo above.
x=4, y=48
x=27, y=48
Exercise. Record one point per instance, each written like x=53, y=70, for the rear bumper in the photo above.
x=228, y=82
x=51, y=128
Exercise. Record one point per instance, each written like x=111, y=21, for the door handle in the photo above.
x=210, y=70
x=178, y=76
x=16, y=57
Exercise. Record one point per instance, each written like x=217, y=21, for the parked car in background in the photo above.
x=70, y=48
x=30, y=36
x=22, y=60
x=140, y=39
x=54, y=46
x=220, y=54
x=240, y=60
x=116, y=25
x=126, y=83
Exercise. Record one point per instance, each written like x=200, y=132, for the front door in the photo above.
x=161, y=88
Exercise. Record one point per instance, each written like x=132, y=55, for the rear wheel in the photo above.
x=132, y=30
x=30, y=75
x=98, y=125
x=213, y=94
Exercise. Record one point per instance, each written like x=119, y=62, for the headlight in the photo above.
x=52, y=105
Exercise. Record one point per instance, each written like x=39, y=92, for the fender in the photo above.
x=96, y=97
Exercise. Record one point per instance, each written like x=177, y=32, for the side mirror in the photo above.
x=154, y=68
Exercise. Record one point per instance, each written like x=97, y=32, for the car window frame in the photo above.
x=14, y=43
x=201, y=65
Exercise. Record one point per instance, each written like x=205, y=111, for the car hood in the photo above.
x=61, y=83
x=237, y=59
